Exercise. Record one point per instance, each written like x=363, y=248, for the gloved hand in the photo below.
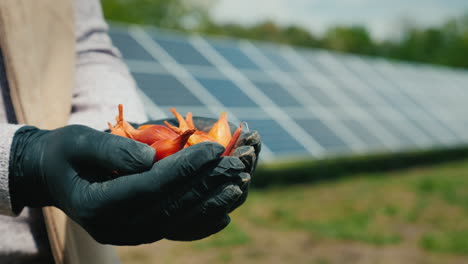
x=247, y=149
x=70, y=168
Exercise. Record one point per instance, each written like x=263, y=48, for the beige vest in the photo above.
x=37, y=41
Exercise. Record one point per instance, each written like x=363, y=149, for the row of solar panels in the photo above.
x=302, y=101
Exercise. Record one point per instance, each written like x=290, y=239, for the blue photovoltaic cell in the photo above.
x=354, y=96
x=449, y=132
x=434, y=120
x=128, y=46
x=436, y=123
x=396, y=97
x=464, y=123
x=235, y=56
x=227, y=93
x=319, y=95
x=364, y=134
x=278, y=59
x=276, y=138
x=424, y=122
x=277, y=94
x=425, y=130
x=182, y=52
x=257, y=76
x=322, y=134
x=183, y=110
x=392, y=128
x=346, y=88
x=251, y=112
x=165, y=90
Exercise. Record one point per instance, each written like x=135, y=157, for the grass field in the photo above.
x=418, y=215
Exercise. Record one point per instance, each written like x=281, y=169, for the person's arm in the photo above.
x=102, y=82
x=102, y=79
x=7, y=131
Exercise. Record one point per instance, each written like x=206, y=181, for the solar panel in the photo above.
x=304, y=102
x=234, y=55
x=323, y=134
x=277, y=94
x=155, y=87
x=182, y=51
x=227, y=93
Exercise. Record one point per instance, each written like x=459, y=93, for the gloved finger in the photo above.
x=111, y=152
x=218, y=204
x=250, y=138
x=198, y=222
x=247, y=155
x=166, y=175
x=204, y=227
x=227, y=170
x=204, y=220
x=245, y=192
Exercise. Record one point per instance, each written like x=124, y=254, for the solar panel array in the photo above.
x=304, y=102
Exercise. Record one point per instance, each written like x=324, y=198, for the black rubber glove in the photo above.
x=247, y=149
x=71, y=168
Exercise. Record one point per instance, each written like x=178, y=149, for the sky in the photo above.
x=383, y=18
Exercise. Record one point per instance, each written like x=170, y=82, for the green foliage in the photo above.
x=332, y=168
x=354, y=39
x=265, y=31
x=446, y=44
x=172, y=14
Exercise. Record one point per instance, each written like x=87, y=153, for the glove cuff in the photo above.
x=22, y=186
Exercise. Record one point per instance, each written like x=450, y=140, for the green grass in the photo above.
x=423, y=209
x=455, y=242
x=231, y=236
x=372, y=208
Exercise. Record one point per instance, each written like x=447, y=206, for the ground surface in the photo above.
x=413, y=216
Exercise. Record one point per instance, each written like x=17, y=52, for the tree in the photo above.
x=446, y=44
x=354, y=39
x=173, y=14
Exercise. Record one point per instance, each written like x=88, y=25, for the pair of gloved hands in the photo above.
x=186, y=196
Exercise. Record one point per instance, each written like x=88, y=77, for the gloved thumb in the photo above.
x=111, y=152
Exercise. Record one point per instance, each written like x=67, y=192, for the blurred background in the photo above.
x=361, y=105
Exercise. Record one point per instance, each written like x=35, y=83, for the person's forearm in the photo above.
x=7, y=131
x=102, y=79
x=100, y=87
